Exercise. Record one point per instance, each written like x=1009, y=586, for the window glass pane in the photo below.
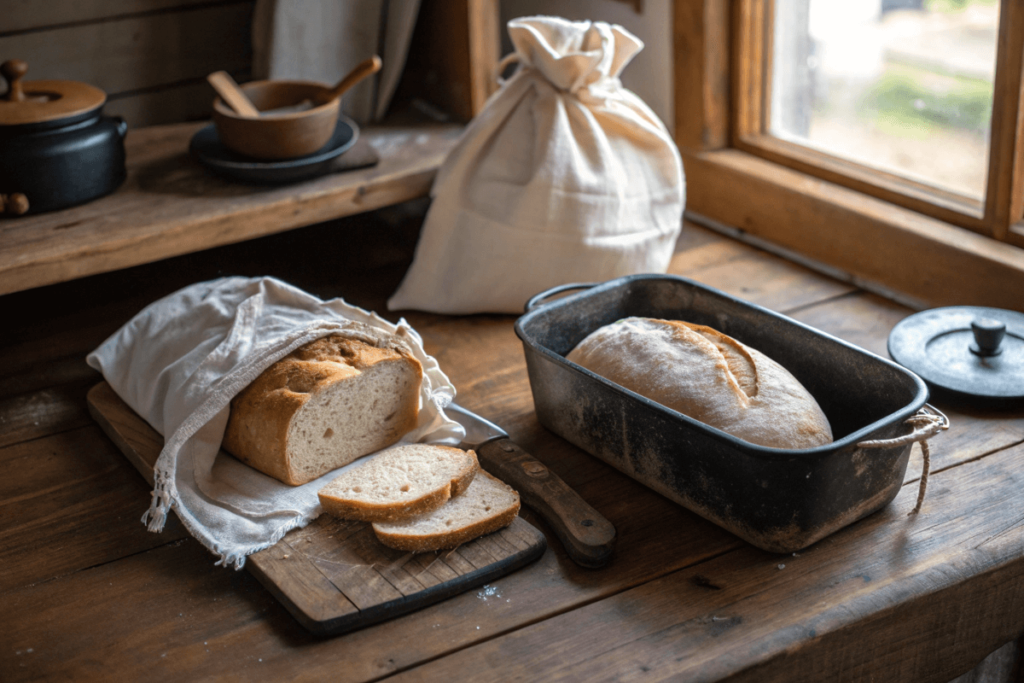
x=901, y=85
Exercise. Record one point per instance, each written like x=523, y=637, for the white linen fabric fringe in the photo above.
x=181, y=360
x=565, y=176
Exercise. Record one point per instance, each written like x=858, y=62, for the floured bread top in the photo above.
x=357, y=348
x=331, y=358
x=711, y=377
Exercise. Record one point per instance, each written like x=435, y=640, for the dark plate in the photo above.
x=936, y=344
x=208, y=150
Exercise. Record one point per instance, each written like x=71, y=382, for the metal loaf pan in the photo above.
x=776, y=499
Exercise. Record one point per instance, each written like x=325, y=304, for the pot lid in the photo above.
x=36, y=101
x=971, y=350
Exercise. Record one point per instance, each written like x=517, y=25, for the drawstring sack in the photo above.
x=181, y=360
x=565, y=176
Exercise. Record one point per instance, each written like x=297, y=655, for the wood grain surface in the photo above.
x=700, y=43
x=169, y=205
x=334, y=576
x=869, y=240
x=88, y=594
x=1004, y=193
x=137, y=51
x=454, y=52
x=28, y=15
x=149, y=56
x=798, y=618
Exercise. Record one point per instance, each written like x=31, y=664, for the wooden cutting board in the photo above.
x=333, y=575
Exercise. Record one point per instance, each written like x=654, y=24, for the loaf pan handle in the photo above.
x=538, y=300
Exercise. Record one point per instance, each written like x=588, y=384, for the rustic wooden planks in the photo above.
x=93, y=601
x=922, y=258
x=169, y=205
x=230, y=611
x=333, y=575
x=189, y=100
x=69, y=501
x=453, y=55
x=28, y=15
x=754, y=616
x=149, y=56
x=700, y=32
x=139, y=51
x=42, y=413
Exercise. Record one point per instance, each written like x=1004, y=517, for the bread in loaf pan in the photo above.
x=778, y=499
x=700, y=372
x=324, y=405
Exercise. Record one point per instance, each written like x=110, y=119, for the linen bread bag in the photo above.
x=564, y=176
x=182, y=359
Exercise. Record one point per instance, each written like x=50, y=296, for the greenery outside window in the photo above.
x=759, y=166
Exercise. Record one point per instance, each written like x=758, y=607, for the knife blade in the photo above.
x=587, y=536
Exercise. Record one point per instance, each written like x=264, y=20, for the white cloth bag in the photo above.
x=565, y=176
x=180, y=361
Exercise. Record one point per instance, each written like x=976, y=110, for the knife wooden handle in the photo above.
x=587, y=536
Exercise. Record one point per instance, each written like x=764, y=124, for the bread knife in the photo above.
x=587, y=536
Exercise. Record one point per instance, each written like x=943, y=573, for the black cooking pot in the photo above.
x=56, y=148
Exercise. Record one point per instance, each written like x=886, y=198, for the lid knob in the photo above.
x=14, y=70
x=988, y=335
x=13, y=204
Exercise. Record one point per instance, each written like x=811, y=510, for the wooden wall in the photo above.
x=150, y=56
x=452, y=57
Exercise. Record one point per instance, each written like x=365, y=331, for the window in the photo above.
x=901, y=86
x=879, y=137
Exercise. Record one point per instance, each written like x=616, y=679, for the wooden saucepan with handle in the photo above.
x=287, y=119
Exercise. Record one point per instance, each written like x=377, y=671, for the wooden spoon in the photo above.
x=232, y=94
x=367, y=67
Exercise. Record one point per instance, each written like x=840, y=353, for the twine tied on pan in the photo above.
x=927, y=422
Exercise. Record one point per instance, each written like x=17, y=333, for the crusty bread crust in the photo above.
x=261, y=415
x=422, y=544
x=367, y=512
x=446, y=540
x=709, y=376
x=336, y=505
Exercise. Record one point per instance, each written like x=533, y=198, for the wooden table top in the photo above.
x=88, y=593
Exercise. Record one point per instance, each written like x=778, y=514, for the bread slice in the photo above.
x=325, y=405
x=400, y=482
x=487, y=505
x=709, y=376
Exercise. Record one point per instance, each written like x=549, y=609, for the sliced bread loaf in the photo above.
x=325, y=404
x=400, y=482
x=487, y=505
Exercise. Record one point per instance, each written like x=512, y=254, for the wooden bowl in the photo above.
x=278, y=136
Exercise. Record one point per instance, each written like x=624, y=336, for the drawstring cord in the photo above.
x=927, y=422
x=510, y=58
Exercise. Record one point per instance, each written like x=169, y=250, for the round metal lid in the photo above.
x=971, y=350
x=38, y=101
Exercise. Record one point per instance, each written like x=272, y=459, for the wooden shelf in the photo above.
x=169, y=205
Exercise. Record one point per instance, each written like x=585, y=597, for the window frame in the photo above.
x=925, y=246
